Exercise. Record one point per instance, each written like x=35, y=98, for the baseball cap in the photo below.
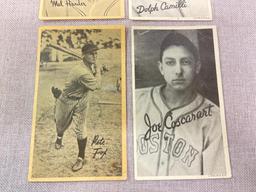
x=88, y=48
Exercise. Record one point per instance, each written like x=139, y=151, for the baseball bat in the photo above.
x=65, y=50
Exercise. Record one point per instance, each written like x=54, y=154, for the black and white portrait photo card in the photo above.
x=178, y=109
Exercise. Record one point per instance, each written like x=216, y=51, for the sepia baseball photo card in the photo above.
x=81, y=9
x=178, y=107
x=170, y=10
x=79, y=118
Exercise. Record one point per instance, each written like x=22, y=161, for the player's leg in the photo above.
x=79, y=120
x=81, y=154
x=58, y=142
x=63, y=118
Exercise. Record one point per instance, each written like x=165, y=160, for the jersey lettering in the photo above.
x=154, y=147
x=190, y=156
x=168, y=138
x=143, y=145
x=178, y=147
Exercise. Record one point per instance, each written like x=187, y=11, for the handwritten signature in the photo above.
x=169, y=123
x=68, y=3
x=98, y=145
x=161, y=7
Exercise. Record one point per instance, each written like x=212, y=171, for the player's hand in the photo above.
x=56, y=92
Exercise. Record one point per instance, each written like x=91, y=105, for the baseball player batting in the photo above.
x=72, y=103
x=178, y=131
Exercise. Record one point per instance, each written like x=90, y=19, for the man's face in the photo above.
x=90, y=57
x=178, y=67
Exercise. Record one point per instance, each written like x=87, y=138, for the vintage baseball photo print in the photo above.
x=179, y=120
x=81, y=9
x=79, y=118
x=170, y=10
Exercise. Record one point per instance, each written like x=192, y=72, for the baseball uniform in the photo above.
x=177, y=141
x=72, y=105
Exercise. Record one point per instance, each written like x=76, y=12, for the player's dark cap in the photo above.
x=88, y=48
x=177, y=39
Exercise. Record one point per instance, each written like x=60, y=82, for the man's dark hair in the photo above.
x=177, y=39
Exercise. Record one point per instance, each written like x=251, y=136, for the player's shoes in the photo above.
x=58, y=146
x=78, y=164
x=58, y=143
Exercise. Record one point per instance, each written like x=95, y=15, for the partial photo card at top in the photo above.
x=179, y=119
x=170, y=10
x=81, y=9
x=79, y=119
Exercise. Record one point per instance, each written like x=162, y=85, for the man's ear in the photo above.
x=160, y=67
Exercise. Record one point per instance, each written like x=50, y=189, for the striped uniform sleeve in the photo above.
x=89, y=81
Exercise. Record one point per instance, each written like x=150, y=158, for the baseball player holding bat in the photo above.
x=178, y=131
x=72, y=103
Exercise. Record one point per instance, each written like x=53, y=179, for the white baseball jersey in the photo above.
x=181, y=141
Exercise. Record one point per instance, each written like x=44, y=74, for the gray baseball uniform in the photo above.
x=73, y=104
x=181, y=141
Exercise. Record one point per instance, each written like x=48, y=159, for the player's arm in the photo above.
x=88, y=81
x=213, y=152
x=98, y=75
